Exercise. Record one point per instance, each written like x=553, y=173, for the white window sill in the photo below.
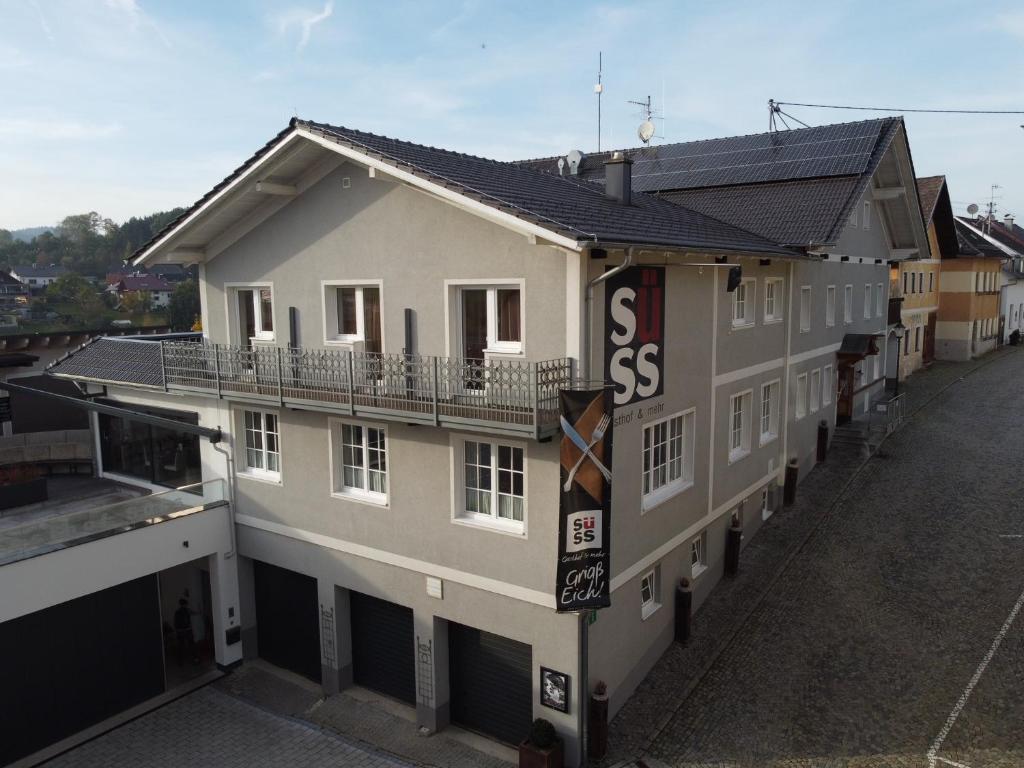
x=772, y=320
x=830, y=325
x=378, y=500
x=509, y=352
x=738, y=454
x=739, y=326
x=766, y=438
x=800, y=416
x=646, y=611
x=272, y=478
x=697, y=570
x=805, y=330
x=663, y=494
x=262, y=339
x=487, y=523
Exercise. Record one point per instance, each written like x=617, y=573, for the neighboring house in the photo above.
x=387, y=327
x=172, y=273
x=1010, y=239
x=13, y=294
x=917, y=286
x=37, y=278
x=158, y=289
x=971, y=291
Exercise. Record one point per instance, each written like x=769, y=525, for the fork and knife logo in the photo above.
x=587, y=448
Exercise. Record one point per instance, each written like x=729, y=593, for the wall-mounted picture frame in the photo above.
x=554, y=689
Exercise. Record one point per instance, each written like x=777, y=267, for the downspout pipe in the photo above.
x=229, y=463
x=589, y=307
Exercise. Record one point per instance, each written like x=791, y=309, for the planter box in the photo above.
x=19, y=494
x=532, y=757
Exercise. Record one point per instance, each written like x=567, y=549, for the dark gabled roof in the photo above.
x=798, y=212
x=973, y=244
x=1007, y=237
x=928, y=189
x=143, y=283
x=113, y=361
x=793, y=187
x=29, y=270
x=572, y=207
x=575, y=208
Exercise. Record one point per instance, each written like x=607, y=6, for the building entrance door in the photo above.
x=928, y=353
x=844, y=395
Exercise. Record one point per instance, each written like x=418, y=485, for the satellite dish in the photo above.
x=972, y=208
x=645, y=131
x=575, y=157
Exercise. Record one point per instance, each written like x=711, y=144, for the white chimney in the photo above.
x=1008, y=221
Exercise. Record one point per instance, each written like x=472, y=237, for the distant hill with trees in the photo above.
x=86, y=243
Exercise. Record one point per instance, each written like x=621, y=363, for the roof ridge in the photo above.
x=714, y=138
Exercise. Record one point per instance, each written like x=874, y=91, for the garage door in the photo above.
x=491, y=683
x=383, y=647
x=75, y=664
x=287, y=619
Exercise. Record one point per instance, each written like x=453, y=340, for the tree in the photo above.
x=68, y=287
x=184, y=308
x=136, y=302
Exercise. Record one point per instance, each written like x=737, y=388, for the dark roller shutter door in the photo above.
x=383, y=645
x=287, y=619
x=491, y=683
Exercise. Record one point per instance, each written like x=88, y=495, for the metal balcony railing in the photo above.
x=493, y=394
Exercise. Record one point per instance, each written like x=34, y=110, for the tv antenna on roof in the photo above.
x=646, y=131
x=599, y=89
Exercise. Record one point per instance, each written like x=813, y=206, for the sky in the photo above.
x=127, y=107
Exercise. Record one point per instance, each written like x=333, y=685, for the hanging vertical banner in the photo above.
x=585, y=498
x=634, y=348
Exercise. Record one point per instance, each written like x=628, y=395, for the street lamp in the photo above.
x=900, y=331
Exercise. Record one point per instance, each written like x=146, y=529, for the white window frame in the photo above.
x=741, y=432
x=931, y=281
x=852, y=221
x=867, y=301
x=489, y=521
x=698, y=554
x=769, y=395
x=453, y=314
x=336, y=452
x=260, y=473
x=828, y=384
x=879, y=299
x=815, y=384
x=878, y=367
x=672, y=486
x=866, y=217
x=805, y=308
x=773, y=286
x=848, y=304
x=801, y=396
x=231, y=291
x=748, y=290
x=651, y=583
x=830, y=306
x=329, y=306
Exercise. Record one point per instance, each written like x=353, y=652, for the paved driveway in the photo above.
x=211, y=728
x=865, y=651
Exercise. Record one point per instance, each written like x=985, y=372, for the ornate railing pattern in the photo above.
x=517, y=395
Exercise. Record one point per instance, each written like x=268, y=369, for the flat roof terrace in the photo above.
x=82, y=509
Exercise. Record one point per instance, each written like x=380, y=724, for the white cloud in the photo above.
x=12, y=58
x=130, y=10
x=305, y=20
x=43, y=22
x=1009, y=22
x=56, y=129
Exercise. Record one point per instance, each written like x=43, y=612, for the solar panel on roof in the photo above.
x=830, y=150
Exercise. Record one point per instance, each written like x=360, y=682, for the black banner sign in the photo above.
x=585, y=498
x=634, y=346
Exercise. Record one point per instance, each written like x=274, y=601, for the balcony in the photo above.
x=493, y=395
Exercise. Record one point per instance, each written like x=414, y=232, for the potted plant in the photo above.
x=542, y=748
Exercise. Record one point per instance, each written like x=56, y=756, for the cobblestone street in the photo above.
x=858, y=653
x=211, y=728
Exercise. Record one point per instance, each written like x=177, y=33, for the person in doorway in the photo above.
x=183, y=632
